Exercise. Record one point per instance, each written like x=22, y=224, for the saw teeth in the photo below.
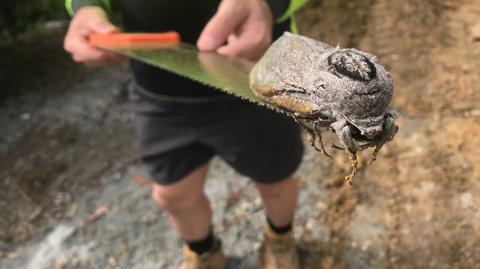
x=259, y=102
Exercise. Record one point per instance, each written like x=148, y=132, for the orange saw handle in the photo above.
x=132, y=38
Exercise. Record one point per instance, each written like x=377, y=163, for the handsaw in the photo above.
x=167, y=52
x=228, y=74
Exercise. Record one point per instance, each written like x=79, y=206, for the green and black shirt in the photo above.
x=187, y=17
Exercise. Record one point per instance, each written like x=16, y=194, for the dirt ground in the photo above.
x=66, y=148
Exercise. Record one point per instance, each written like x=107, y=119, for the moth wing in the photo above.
x=291, y=60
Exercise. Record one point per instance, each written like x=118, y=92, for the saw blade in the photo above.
x=227, y=74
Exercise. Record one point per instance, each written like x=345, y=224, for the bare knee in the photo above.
x=173, y=200
x=184, y=194
x=273, y=190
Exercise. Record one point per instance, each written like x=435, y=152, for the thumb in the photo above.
x=228, y=18
x=98, y=23
x=103, y=26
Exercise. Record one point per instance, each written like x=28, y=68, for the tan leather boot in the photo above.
x=209, y=260
x=279, y=251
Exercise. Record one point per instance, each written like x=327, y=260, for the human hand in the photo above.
x=239, y=28
x=89, y=20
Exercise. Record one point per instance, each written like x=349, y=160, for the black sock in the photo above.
x=279, y=230
x=204, y=245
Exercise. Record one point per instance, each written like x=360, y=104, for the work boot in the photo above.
x=279, y=251
x=214, y=259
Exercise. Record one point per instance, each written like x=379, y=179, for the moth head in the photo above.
x=362, y=87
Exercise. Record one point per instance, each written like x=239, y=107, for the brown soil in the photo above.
x=425, y=185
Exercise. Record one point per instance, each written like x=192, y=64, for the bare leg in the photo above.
x=186, y=204
x=279, y=200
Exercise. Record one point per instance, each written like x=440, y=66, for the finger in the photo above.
x=230, y=15
x=87, y=54
x=240, y=49
x=232, y=38
x=101, y=26
x=94, y=23
x=83, y=50
x=84, y=58
x=97, y=27
x=250, y=44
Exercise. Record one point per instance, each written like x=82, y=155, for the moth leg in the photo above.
x=390, y=130
x=373, y=158
x=346, y=138
x=354, y=167
x=366, y=146
x=335, y=146
x=322, y=146
x=313, y=135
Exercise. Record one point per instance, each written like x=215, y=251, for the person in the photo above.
x=180, y=124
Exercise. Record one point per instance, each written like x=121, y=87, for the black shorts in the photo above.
x=177, y=135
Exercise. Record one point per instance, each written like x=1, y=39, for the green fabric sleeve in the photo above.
x=73, y=6
x=290, y=12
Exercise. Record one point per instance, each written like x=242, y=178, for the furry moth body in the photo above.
x=342, y=90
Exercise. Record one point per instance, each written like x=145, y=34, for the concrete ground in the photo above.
x=66, y=151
